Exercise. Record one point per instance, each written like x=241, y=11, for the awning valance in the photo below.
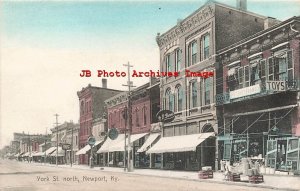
x=85, y=149
x=60, y=152
x=152, y=137
x=179, y=143
x=110, y=143
x=120, y=145
x=38, y=154
x=50, y=150
x=26, y=154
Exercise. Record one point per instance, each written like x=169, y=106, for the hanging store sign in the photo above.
x=91, y=141
x=165, y=116
x=66, y=146
x=245, y=91
x=113, y=133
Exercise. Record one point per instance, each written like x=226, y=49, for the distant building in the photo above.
x=91, y=106
x=62, y=135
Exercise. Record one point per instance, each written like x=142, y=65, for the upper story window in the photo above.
x=194, y=52
x=179, y=95
x=178, y=57
x=82, y=107
x=207, y=86
x=168, y=63
x=281, y=66
x=205, y=40
x=194, y=94
x=169, y=100
x=276, y=68
x=145, y=115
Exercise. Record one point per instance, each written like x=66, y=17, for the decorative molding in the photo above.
x=185, y=26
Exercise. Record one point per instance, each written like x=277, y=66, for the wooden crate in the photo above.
x=235, y=177
x=256, y=179
x=205, y=174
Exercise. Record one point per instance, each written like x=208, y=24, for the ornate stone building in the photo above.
x=191, y=46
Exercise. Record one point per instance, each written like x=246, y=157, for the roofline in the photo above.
x=258, y=34
x=215, y=3
x=146, y=85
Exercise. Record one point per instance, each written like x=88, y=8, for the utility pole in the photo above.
x=71, y=157
x=129, y=85
x=45, y=146
x=56, y=123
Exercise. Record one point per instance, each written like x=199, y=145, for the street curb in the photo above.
x=178, y=178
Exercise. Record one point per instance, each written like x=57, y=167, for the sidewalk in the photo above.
x=277, y=182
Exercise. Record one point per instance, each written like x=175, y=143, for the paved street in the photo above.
x=23, y=176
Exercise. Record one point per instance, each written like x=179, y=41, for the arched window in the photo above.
x=179, y=95
x=82, y=107
x=169, y=100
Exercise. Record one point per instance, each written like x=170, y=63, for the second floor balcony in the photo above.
x=262, y=88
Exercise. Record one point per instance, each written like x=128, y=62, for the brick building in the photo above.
x=258, y=97
x=144, y=106
x=91, y=106
x=192, y=45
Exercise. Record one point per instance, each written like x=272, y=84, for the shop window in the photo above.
x=178, y=56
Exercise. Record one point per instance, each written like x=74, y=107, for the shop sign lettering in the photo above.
x=280, y=85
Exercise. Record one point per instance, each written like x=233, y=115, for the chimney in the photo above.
x=104, y=83
x=241, y=5
x=269, y=22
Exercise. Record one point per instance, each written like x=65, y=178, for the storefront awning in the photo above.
x=38, y=154
x=120, y=145
x=50, y=150
x=26, y=154
x=110, y=143
x=179, y=143
x=85, y=149
x=152, y=137
x=60, y=152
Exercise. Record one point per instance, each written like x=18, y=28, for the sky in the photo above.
x=44, y=45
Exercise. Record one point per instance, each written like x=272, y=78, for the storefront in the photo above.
x=186, y=152
x=149, y=160
x=111, y=153
x=283, y=153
